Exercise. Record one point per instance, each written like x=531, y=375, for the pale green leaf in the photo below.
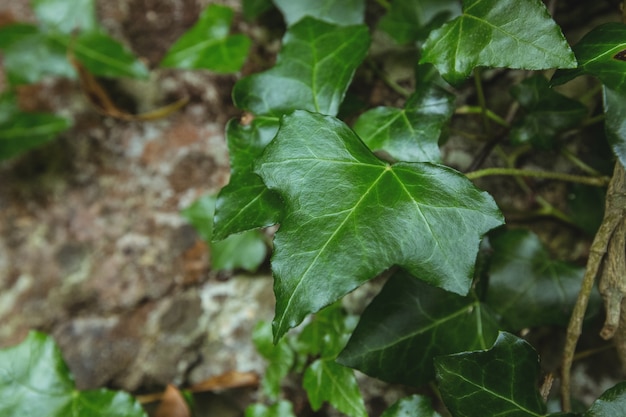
x=280, y=357
x=341, y=12
x=327, y=334
x=350, y=216
x=326, y=381
x=615, y=122
x=611, y=403
x=312, y=72
x=497, y=33
x=66, y=16
x=24, y=131
x=208, y=45
x=410, y=21
x=34, y=381
x=282, y=408
x=413, y=406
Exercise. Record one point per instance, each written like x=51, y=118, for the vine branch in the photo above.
x=559, y=176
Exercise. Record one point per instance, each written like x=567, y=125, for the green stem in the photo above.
x=596, y=181
x=481, y=100
x=593, y=120
x=580, y=164
x=384, y=4
x=486, y=112
x=390, y=83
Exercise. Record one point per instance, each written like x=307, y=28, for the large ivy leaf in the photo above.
x=342, y=12
x=610, y=404
x=409, y=20
x=615, y=122
x=527, y=288
x=349, y=216
x=24, y=131
x=411, y=323
x=410, y=134
x=245, y=203
x=501, y=381
x=280, y=357
x=66, y=16
x=601, y=53
x=207, y=45
x=413, y=406
x=312, y=71
x=495, y=33
x=325, y=380
x=246, y=250
x=547, y=112
x=34, y=381
x=104, y=56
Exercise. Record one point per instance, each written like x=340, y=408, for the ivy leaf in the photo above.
x=413, y=406
x=500, y=381
x=495, y=33
x=280, y=357
x=349, y=216
x=8, y=106
x=325, y=380
x=246, y=250
x=526, y=287
x=282, y=408
x=245, y=203
x=411, y=323
x=34, y=381
x=586, y=207
x=104, y=56
x=547, y=113
x=327, y=334
x=312, y=71
x=341, y=12
x=66, y=16
x=610, y=404
x=410, y=21
x=615, y=122
x=601, y=53
x=207, y=45
x=24, y=131
x=410, y=134
x=255, y=8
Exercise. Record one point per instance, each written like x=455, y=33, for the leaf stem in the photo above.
x=559, y=176
x=593, y=120
x=384, y=4
x=390, y=83
x=480, y=92
x=579, y=163
x=485, y=112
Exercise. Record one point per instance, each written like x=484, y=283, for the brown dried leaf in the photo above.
x=173, y=404
x=232, y=379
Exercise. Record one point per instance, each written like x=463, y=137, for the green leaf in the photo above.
x=325, y=380
x=548, y=113
x=497, y=33
x=255, y=8
x=24, y=131
x=246, y=250
x=8, y=107
x=29, y=55
x=326, y=335
x=246, y=203
x=410, y=134
x=413, y=406
x=601, y=53
x=66, y=16
x=105, y=57
x=411, y=323
x=341, y=12
x=585, y=205
x=615, y=122
x=501, y=381
x=207, y=45
x=610, y=404
x=312, y=71
x=282, y=408
x=410, y=21
x=34, y=381
x=349, y=216
x=280, y=357
x=526, y=287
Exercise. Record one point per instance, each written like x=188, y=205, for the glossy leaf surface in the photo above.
x=282, y=408
x=104, y=56
x=34, y=381
x=409, y=21
x=208, y=45
x=615, y=122
x=501, y=381
x=341, y=12
x=66, y=16
x=246, y=250
x=312, y=71
x=495, y=33
x=246, y=203
x=410, y=134
x=527, y=288
x=547, y=113
x=611, y=403
x=413, y=406
x=324, y=380
x=601, y=53
x=280, y=359
x=349, y=216
x=24, y=131
x=411, y=322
